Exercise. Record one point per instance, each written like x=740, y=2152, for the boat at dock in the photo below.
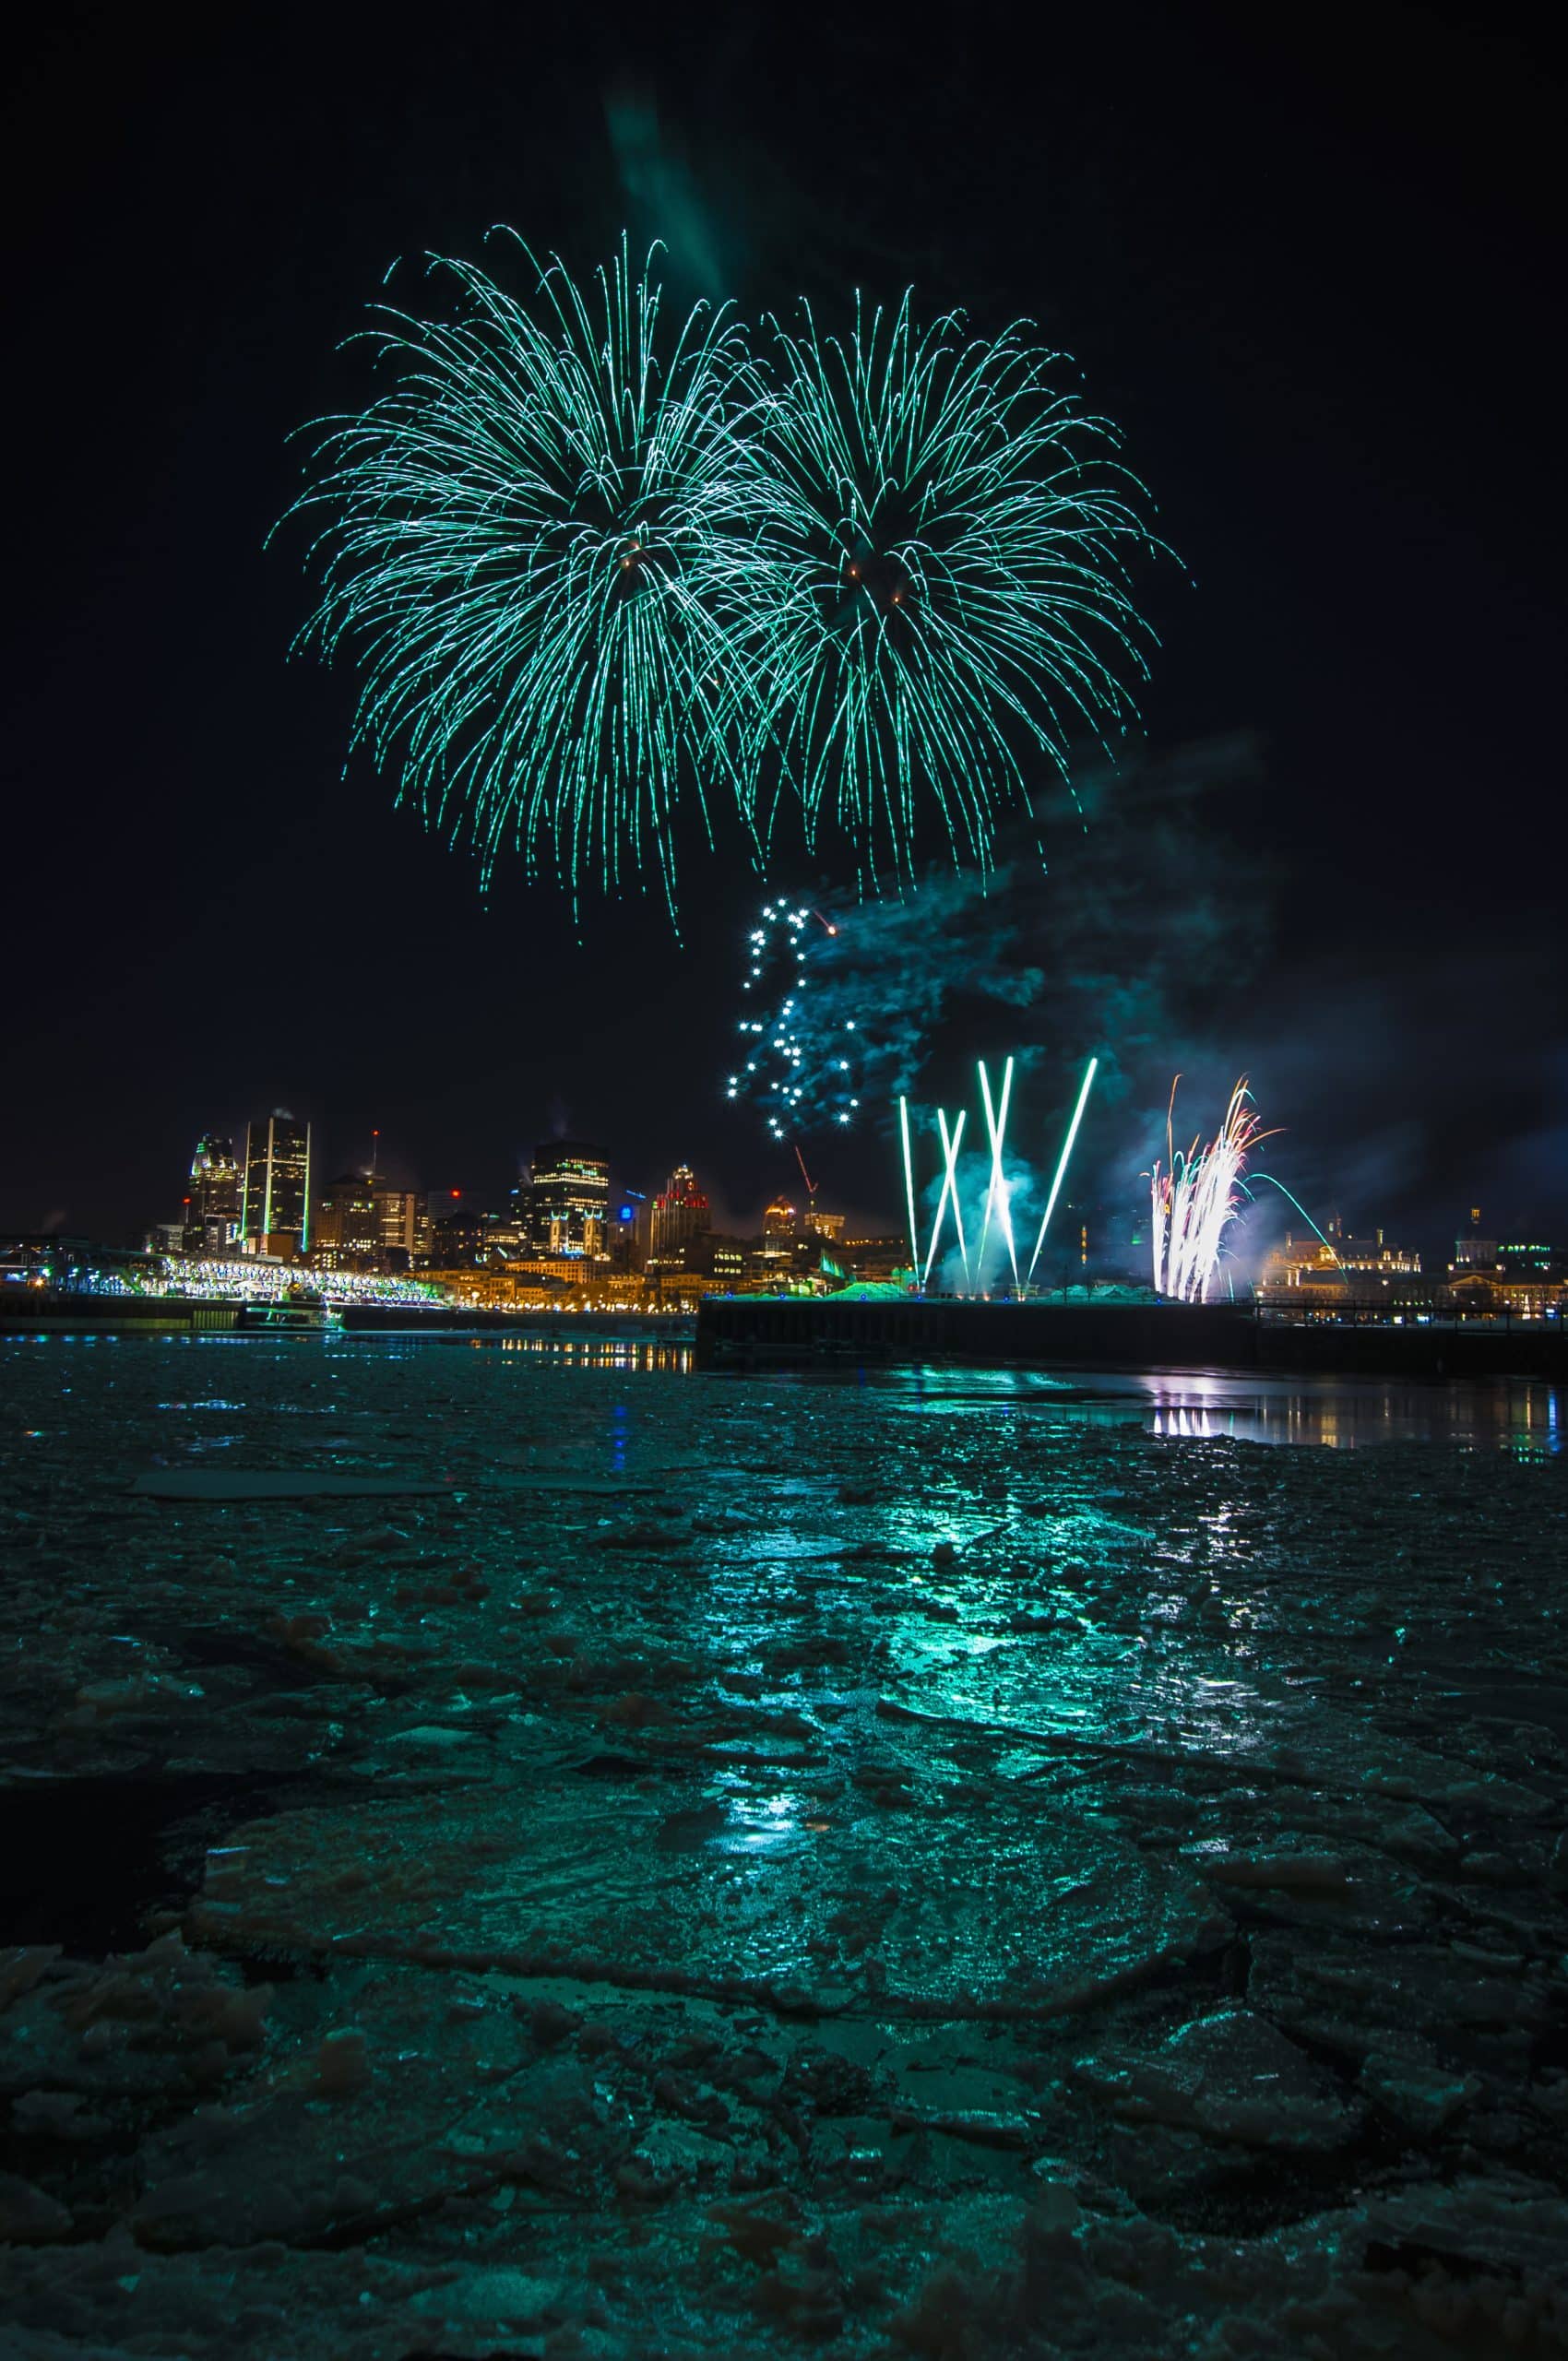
x=300, y=1313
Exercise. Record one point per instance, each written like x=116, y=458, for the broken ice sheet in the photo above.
x=787, y=1939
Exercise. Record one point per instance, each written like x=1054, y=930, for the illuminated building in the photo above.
x=772, y=1262
x=715, y=1264
x=1523, y=1275
x=830, y=1225
x=875, y=1258
x=458, y=1240
x=1534, y=1295
x=43, y=1258
x=401, y=1226
x=275, y=1203
x=565, y=1204
x=781, y=1219
x=1339, y=1262
x=1474, y=1252
x=624, y=1239
x=212, y=1209
x=681, y=1212
x=346, y=1235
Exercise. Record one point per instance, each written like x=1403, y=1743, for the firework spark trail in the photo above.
x=1196, y=1196
x=950, y=1146
x=1062, y=1165
x=1322, y=1237
x=798, y=1081
x=997, y=1193
x=942, y=594
x=528, y=541
x=909, y=1183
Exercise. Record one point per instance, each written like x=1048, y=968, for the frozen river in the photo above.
x=528, y=1851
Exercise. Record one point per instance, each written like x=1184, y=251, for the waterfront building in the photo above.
x=1338, y=1261
x=875, y=1258
x=275, y=1199
x=708, y=1255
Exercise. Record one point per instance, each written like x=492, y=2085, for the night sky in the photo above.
x=1308, y=262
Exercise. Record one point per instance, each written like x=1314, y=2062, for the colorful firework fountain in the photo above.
x=1196, y=1196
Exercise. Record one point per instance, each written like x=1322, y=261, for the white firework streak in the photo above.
x=1196, y=1196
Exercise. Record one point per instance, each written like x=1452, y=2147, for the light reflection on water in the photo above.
x=1522, y=1415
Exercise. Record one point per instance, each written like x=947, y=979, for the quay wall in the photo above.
x=740, y=1329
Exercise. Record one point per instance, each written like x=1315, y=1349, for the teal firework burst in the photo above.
x=943, y=597
x=527, y=543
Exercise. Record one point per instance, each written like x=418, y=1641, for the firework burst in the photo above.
x=1194, y=1197
x=799, y=1079
x=942, y=595
x=527, y=543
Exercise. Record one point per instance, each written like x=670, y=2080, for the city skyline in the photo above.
x=1261, y=1243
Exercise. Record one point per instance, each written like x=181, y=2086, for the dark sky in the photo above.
x=1309, y=262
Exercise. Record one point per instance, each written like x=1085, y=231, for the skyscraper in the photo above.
x=212, y=1207
x=401, y=1225
x=347, y=1230
x=275, y=1209
x=567, y=1199
x=681, y=1212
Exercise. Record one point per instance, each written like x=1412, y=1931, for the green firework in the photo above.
x=945, y=597
x=527, y=543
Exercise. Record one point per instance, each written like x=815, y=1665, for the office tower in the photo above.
x=567, y=1199
x=781, y=1219
x=401, y=1225
x=679, y=1214
x=212, y=1207
x=275, y=1208
x=346, y=1232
